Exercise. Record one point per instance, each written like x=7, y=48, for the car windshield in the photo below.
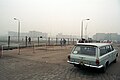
x=85, y=50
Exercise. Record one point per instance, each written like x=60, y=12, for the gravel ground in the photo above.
x=50, y=64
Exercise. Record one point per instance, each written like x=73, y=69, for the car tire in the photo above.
x=103, y=69
x=115, y=60
x=76, y=65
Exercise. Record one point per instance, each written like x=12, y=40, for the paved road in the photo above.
x=50, y=65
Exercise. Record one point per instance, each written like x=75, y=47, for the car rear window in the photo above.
x=85, y=50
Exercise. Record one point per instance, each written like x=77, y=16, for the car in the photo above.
x=96, y=55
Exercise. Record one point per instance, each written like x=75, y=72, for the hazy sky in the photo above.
x=60, y=16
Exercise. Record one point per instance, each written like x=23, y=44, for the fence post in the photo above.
x=18, y=48
x=56, y=41
x=68, y=41
x=33, y=48
x=26, y=41
x=48, y=40
x=73, y=41
x=1, y=51
x=46, y=43
x=8, y=42
x=38, y=41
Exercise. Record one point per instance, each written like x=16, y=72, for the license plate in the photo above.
x=83, y=62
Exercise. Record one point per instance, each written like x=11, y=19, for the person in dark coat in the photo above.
x=61, y=42
x=64, y=41
x=29, y=40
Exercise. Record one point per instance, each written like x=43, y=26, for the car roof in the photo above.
x=94, y=44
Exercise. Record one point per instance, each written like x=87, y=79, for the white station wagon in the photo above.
x=97, y=55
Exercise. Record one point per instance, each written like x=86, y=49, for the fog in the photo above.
x=60, y=16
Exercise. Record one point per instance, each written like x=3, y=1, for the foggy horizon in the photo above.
x=60, y=16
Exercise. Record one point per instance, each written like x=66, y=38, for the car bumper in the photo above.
x=88, y=65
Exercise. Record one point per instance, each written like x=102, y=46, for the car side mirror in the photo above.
x=75, y=52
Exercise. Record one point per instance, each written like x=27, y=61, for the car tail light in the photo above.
x=97, y=61
x=69, y=57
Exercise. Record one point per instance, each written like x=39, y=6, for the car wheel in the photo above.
x=103, y=69
x=115, y=60
x=76, y=65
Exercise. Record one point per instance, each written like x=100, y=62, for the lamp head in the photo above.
x=15, y=19
x=87, y=19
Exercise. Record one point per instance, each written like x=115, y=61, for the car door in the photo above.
x=103, y=55
x=113, y=52
x=110, y=53
x=106, y=54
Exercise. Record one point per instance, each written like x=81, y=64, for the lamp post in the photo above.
x=18, y=29
x=18, y=33
x=82, y=27
x=86, y=31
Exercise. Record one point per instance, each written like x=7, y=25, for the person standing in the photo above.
x=29, y=40
x=64, y=41
x=61, y=42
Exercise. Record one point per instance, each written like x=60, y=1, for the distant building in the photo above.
x=32, y=34
x=107, y=36
x=12, y=33
x=15, y=34
x=99, y=36
x=35, y=34
x=60, y=35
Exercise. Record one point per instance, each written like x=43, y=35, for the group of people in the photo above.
x=84, y=41
x=27, y=40
x=63, y=42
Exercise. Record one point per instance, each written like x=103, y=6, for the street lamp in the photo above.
x=18, y=29
x=86, y=31
x=18, y=34
x=82, y=27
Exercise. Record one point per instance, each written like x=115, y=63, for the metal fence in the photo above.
x=12, y=41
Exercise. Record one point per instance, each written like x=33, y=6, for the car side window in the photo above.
x=108, y=49
x=111, y=47
x=103, y=51
x=76, y=50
